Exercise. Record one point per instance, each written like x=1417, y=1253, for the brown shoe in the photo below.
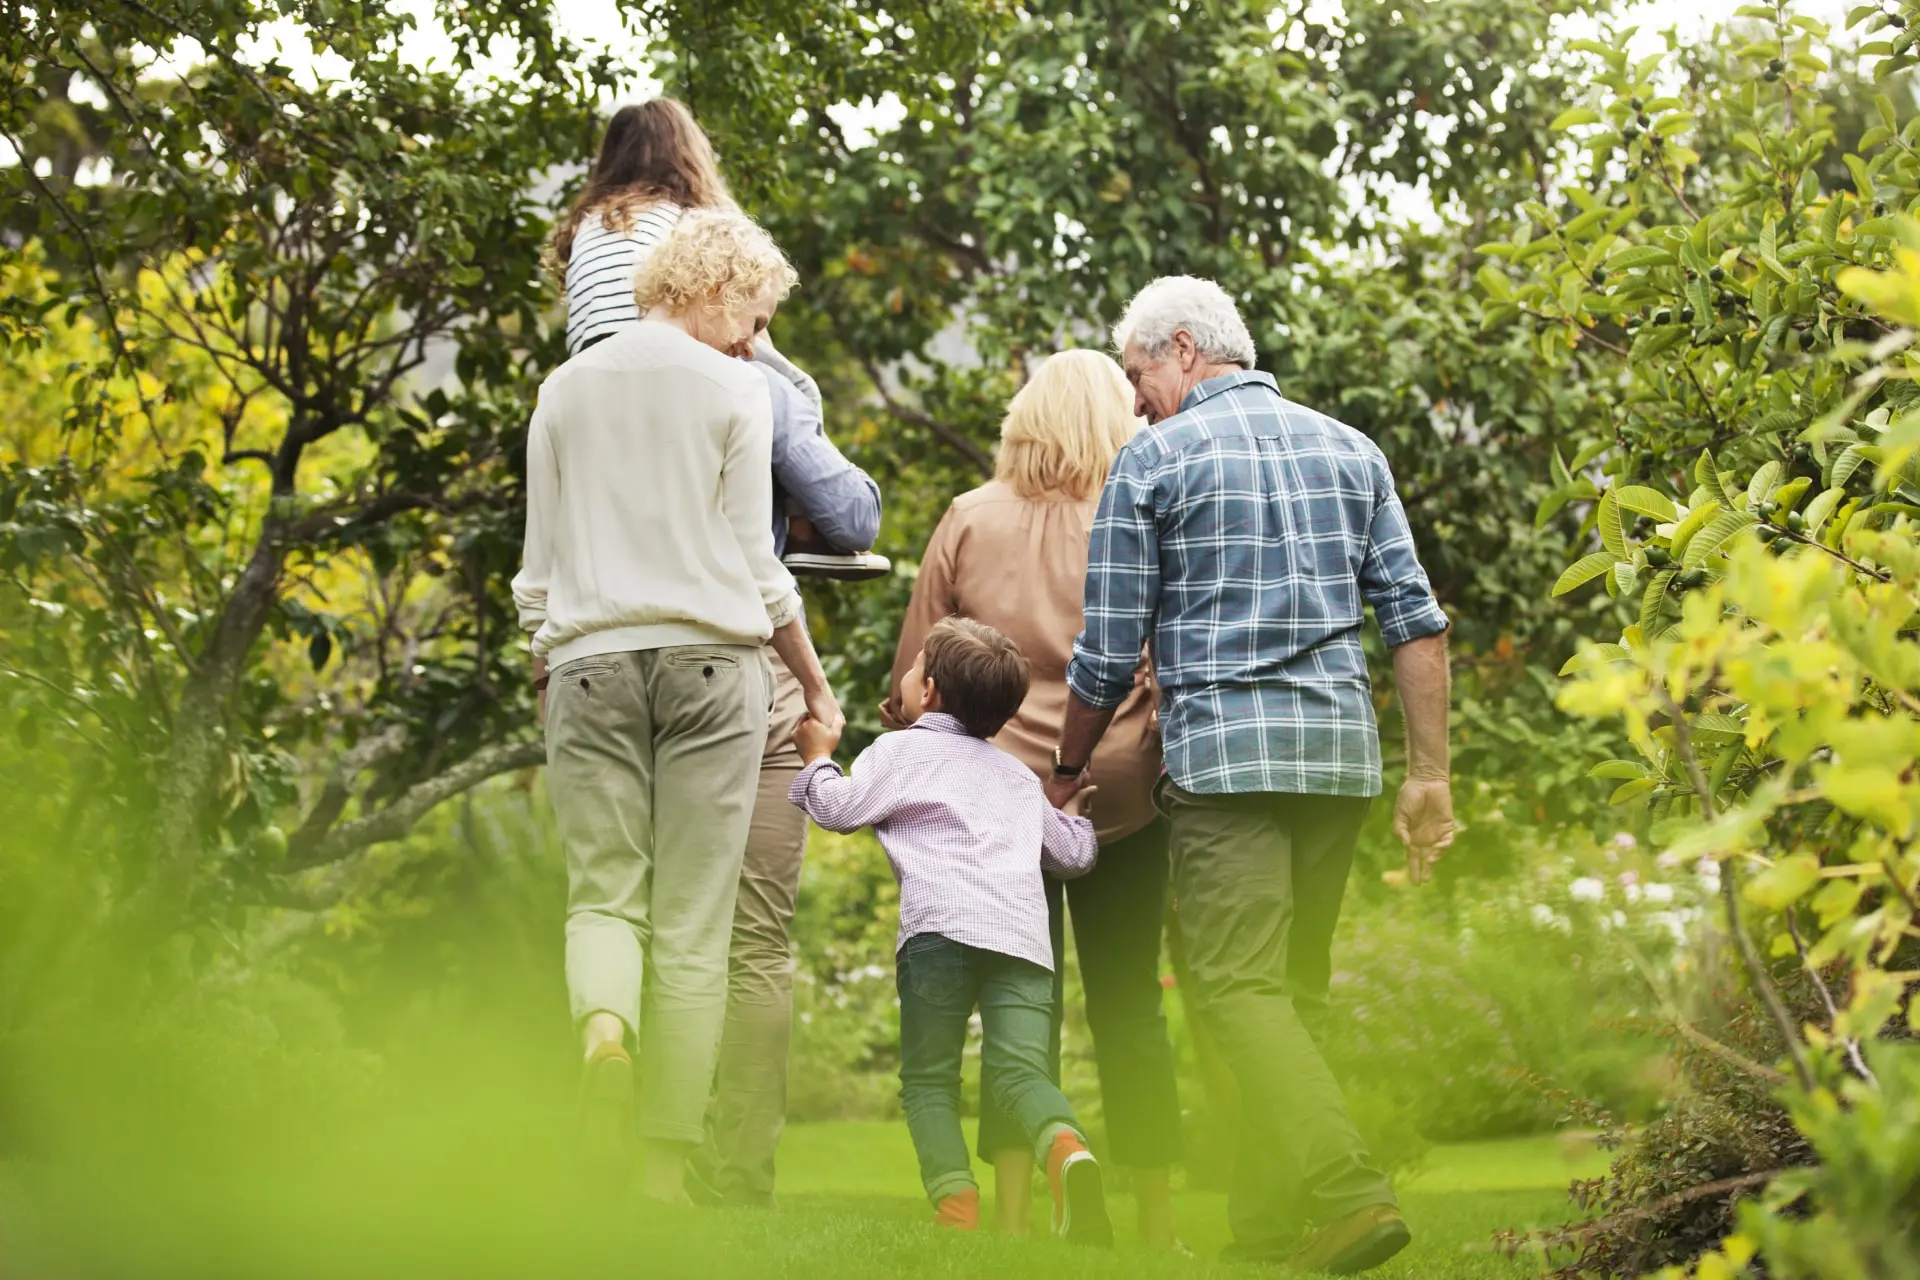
x=808, y=555
x=1358, y=1242
x=606, y=1112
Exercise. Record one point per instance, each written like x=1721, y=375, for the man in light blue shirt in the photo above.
x=736, y=1163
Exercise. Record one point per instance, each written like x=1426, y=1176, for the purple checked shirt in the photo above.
x=967, y=830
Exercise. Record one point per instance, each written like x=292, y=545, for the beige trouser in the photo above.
x=651, y=761
x=750, y=1095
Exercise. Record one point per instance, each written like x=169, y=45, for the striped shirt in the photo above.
x=601, y=268
x=966, y=828
x=1245, y=533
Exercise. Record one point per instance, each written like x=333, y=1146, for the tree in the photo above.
x=289, y=255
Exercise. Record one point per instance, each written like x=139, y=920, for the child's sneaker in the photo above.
x=959, y=1212
x=1079, y=1199
x=809, y=555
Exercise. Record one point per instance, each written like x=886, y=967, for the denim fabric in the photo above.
x=941, y=983
x=1119, y=909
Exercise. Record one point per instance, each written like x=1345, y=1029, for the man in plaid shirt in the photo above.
x=1241, y=535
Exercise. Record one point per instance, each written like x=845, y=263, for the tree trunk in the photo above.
x=199, y=736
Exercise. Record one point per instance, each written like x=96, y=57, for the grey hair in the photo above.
x=1201, y=307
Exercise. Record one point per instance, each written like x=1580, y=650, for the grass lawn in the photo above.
x=850, y=1208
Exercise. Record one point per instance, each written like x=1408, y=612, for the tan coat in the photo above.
x=1020, y=565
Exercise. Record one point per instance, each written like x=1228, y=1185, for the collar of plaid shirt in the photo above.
x=1245, y=535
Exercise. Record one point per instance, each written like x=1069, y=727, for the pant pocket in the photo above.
x=936, y=969
x=707, y=662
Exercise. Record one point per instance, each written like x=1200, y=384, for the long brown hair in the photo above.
x=651, y=152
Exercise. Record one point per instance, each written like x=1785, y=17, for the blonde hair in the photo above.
x=1064, y=427
x=712, y=257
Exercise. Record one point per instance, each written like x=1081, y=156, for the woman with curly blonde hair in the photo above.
x=649, y=603
x=1013, y=554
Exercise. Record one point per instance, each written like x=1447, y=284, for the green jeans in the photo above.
x=652, y=757
x=1259, y=880
x=941, y=983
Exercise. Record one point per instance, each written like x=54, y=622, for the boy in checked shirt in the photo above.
x=968, y=831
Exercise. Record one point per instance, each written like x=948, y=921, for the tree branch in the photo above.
x=947, y=435
x=1757, y=975
x=398, y=818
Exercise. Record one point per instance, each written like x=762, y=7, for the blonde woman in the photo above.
x=650, y=585
x=1013, y=554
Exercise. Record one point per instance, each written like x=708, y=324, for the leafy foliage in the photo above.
x=1753, y=500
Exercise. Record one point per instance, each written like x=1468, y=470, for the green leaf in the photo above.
x=1714, y=727
x=1762, y=483
x=1784, y=883
x=1625, y=577
x=1821, y=507
x=1618, y=770
x=1631, y=790
x=1849, y=461
x=1612, y=536
x=1594, y=655
x=1588, y=452
x=1583, y=571
x=1675, y=122
x=1696, y=519
x=1656, y=596
x=1647, y=502
x=1714, y=536
x=1574, y=116
x=1640, y=255
x=1495, y=282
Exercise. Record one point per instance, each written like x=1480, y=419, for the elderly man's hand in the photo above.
x=1060, y=790
x=1423, y=819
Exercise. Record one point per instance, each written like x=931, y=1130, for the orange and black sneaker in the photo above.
x=959, y=1212
x=1079, y=1198
x=1358, y=1242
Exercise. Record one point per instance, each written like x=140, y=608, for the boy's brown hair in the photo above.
x=981, y=675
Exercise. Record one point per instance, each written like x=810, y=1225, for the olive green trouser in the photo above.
x=1259, y=878
x=749, y=1110
x=651, y=760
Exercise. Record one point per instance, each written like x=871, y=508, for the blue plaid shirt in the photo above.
x=1243, y=534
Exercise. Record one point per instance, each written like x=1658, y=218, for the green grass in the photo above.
x=424, y=1204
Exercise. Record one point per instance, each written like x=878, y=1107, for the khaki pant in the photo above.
x=736, y=1166
x=651, y=760
x=1259, y=879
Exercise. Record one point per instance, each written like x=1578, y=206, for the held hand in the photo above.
x=1061, y=790
x=1423, y=819
x=824, y=707
x=815, y=740
x=890, y=715
x=1080, y=803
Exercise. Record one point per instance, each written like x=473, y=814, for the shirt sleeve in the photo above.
x=746, y=500
x=1068, y=846
x=764, y=352
x=1391, y=578
x=934, y=596
x=839, y=498
x=543, y=500
x=1123, y=586
x=841, y=802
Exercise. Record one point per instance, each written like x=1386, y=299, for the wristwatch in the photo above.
x=1061, y=770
